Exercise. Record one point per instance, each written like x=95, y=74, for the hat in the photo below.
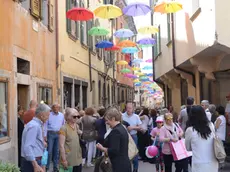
x=159, y=119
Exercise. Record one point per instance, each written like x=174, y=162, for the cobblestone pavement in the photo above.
x=147, y=167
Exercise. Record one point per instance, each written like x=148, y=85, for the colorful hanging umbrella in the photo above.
x=125, y=70
x=98, y=31
x=123, y=33
x=108, y=11
x=149, y=74
x=168, y=7
x=138, y=84
x=148, y=30
x=136, y=80
x=140, y=74
x=126, y=43
x=146, y=41
x=136, y=9
x=147, y=67
x=79, y=14
x=145, y=46
x=104, y=44
x=129, y=50
x=144, y=79
x=136, y=68
x=129, y=75
x=149, y=61
x=122, y=62
x=114, y=48
x=147, y=82
x=137, y=61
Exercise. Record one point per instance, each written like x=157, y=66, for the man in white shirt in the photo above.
x=134, y=121
x=205, y=105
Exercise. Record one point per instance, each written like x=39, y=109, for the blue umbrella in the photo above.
x=123, y=33
x=149, y=74
x=144, y=79
x=136, y=9
x=137, y=84
x=104, y=44
x=147, y=67
x=146, y=41
x=129, y=50
x=137, y=61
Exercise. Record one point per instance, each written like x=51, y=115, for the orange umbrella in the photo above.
x=126, y=43
x=168, y=7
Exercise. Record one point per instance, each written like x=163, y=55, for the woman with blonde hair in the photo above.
x=70, y=150
x=116, y=143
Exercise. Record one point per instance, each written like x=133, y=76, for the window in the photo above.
x=90, y=43
x=99, y=51
x=23, y=66
x=83, y=28
x=67, y=94
x=44, y=12
x=184, y=91
x=169, y=23
x=72, y=26
x=26, y=4
x=45, y=94
x=157, y=46
x=84, y=96
x=36, y=8
x=3, y=110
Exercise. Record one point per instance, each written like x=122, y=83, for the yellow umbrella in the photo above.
x=136, y=80
x=122, y=62
x=136, y=68
x=126, y=43
x=140, y=74
x=108, y=11
x=168, y=7
x=148, y=30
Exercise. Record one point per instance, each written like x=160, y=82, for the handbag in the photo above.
x=106, y=165
x=218, y=146
x=44, y=158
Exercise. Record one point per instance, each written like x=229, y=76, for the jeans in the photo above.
x=53, y=149
x=26, y=166
x=135, y=160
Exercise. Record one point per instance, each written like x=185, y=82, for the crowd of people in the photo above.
x=78, y=137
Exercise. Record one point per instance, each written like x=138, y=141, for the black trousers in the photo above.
x=181, y=165
x=143, y=142
x=77, y=168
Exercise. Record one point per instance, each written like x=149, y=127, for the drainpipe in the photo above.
x=174, y=55
x=57, y=53
x=89, y=55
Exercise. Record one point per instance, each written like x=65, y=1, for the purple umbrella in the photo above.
x=146, y=41
x=136, y=9
x=123, y=33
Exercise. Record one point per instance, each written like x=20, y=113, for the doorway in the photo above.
x=23, y=96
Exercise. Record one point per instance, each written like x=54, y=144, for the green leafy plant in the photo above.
x=8, y=167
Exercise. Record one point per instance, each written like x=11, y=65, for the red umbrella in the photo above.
x=79, y=14
x=114, y=48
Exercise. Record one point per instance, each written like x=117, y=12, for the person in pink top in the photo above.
x=155, y=133
x=171, y=132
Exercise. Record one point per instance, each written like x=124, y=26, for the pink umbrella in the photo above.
x=149, y=61
x=129, y=75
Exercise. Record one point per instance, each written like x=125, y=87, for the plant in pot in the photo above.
x=8, y=167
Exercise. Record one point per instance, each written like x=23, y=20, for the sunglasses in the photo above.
x=76, y=117
x=169, y=118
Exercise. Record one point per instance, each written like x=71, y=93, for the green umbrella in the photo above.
x=98, y=31
x=125, y=70
x=145, y=46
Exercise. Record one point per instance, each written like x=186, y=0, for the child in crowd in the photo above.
x=155, y=133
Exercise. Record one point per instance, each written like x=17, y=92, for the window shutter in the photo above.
x=77, y=22
x=90, y=38
x=68, y=21
x=51, y=15
x=35, y=6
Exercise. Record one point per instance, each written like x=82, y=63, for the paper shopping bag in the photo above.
x=179, y=151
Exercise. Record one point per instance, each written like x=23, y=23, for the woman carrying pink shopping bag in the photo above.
x=171, y=133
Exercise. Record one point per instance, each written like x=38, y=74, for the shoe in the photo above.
x=90, y=165
x=135, y=170
x=55, y=170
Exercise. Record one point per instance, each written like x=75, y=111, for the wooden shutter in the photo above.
x=35, y=6
x=76, y=4
x=68, y=21
x=51, y=15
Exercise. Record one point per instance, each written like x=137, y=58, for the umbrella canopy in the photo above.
x=136, y=80
x=136, y=9
x=138, y=84
x=136, y=68
x=137, y=61
x=149, y=74
x=114, y=48
x=147, y=67
x=168, y=7
x=144, y=79
x=145, y=46
x=98, y=31
x=123, y=33
x=146, y=41
x=79, y=14
x=140, y=74
x=129, y=50
x=108, y=11
x=104, y=44
x=125, y=70
x=129, y=75
x=126, y=43
x=122, y=62
x=149, y=61
x=148, y=30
